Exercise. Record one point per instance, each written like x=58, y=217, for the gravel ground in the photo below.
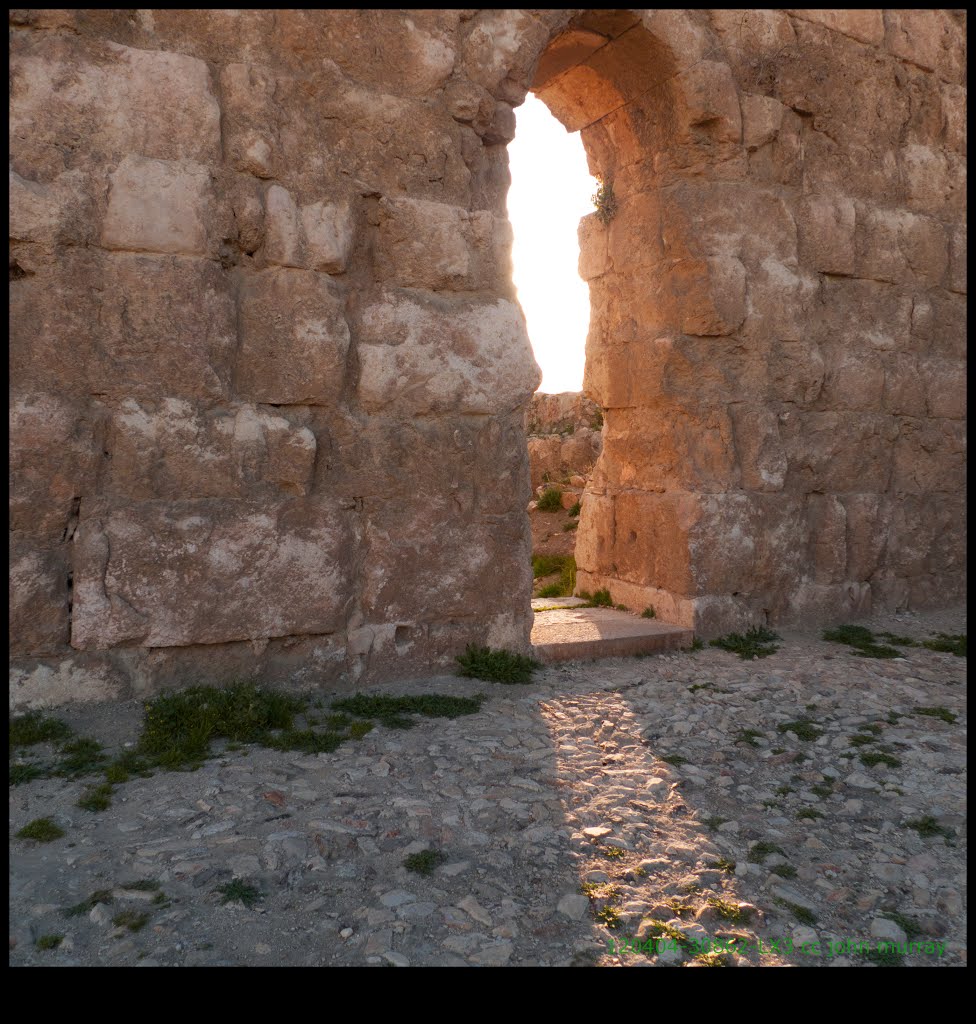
x=656, y=802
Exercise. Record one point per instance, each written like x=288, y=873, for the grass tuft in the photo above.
x=944, y=713
x=550, y=501
x=757, y=642
x=763, y=849
x=49, y=942
x=131, y=919
x=927, y=827
x=496, y=666
x=34, y=727
x=41, y=830
x=392, y=711
x=802, y=728
x=649, y=613
x=87, y=905
x=240, y=890
x=96, y=798
x=425, y=862
x=948, y=643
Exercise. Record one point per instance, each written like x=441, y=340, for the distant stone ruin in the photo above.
x=269, y=377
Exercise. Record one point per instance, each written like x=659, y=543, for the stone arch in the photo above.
x=659, y=114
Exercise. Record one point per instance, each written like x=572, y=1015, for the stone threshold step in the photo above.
x=583, y=634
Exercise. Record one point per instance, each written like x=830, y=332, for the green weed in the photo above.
x=96, y=798
x=944, y=713
x=496, y=666
x=49, y=942
x=948, y=643
x=41, y=830
x=762, y=850
x=551, y=500
x=757, y=642
x=240, y=890
x=425, y=862
x=34, y=727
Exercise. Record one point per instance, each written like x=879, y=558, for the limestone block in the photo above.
x=854, y=380
x=762, y=118
x=430, y=562
x=925, y=247
x=751, y=34
x=866, y=26
x=503, y=45
x=880, y=256
x=171, y=449
x=155, y=325
x=329, y=229
x=727, y=219
x=250, y=118
x=761, y=457
x=868, y=518
x=294, y=339
x=748, y=544
x=928, y=38
x=826, y=233
x=836, y=452
x=711, y=293
x=904, y=385
x=643, y=538
x=957, y=259
x=709, y=101
x=782, y=300
x=284, y=241
x=796, y=371
x=157, y=206
x=938, y=324
x=633, y=237
x=38, y=598
x=57, y=211
x=77, y=101
x=931, y=181
x=54, y=455
x=693, y=451
x=594, y=258
x=929, y=457
x=436, y=356
x=953, y=108
x=436, y=246
x=826, y=522
x=945, y=387
x=170, y=573
x=864, y=315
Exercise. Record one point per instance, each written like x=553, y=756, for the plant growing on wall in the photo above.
x=605, y=201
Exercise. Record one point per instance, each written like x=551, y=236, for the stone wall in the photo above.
x=565, y=437
x=269, y=377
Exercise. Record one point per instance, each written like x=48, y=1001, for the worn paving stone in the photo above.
x=601, y=780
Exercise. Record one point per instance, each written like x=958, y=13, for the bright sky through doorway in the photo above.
x=550, y=191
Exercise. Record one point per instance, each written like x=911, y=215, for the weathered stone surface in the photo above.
x=115, y=100
x=170, y=449
x=39, y=598
x=294, y=339
x=155, y=324
x=437, y=356
x=54, y=455
x=170, y=573
x=157, y=206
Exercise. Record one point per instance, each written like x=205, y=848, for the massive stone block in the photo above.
x=434, y=356
x=171, y=573
x=153, y=325
x=294, y=339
